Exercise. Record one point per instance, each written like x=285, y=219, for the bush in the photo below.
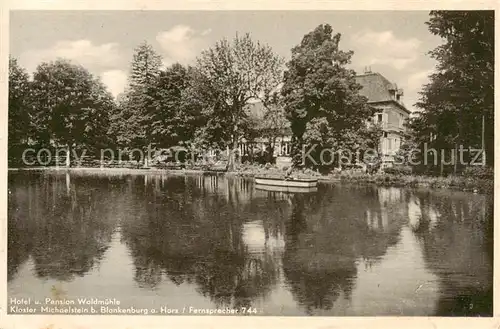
x=398, y=170
x=478, y=172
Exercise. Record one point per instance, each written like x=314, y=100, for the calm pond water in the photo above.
x=213, y=242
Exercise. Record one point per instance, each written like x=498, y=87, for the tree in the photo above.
x=321, y=95
x=136, y=104
x=70, y=107
x=19, y=112
x=460, y=95
x=226, y=78
x=173, y=118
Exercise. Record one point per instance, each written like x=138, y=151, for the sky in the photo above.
x=393, y=43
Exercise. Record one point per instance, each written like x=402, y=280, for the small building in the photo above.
x=281, y=131
x=392, y=114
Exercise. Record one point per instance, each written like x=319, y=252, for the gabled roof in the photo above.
x=378, y=89
x=258, y=112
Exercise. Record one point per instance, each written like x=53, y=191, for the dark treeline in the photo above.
x=205, y=105
x=457, y=105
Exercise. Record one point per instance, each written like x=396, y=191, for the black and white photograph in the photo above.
x=250, y=163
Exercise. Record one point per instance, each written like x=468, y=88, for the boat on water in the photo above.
x=286, y=189
x=287, y=182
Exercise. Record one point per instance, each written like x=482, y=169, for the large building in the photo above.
x=391, y=113
x=382, y=95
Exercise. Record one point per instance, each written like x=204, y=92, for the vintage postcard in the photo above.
x=301, y=165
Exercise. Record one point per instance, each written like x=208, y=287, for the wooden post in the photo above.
x=441, y=165
x=455, y=156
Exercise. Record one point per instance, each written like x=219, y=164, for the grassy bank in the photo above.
x=473, y=183
x=451, y=182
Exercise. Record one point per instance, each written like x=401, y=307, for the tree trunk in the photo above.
x=231, y=159
x=296, y=151
x=270, y=155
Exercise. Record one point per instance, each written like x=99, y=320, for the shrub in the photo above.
x=478, y=172
x=398, y=170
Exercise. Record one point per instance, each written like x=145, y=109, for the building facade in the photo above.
x=391, y=113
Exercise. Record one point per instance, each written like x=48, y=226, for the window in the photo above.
x=379, y=117
x=385, y=134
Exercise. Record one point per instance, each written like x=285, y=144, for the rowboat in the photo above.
x=288, y=182
x=286, y=189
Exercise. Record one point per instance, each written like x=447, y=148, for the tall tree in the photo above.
x=71, y=107
x=321, y=95
x=460, y=95
x=227, y=77
x=135, y=115
x=19, y=109
x=173, y=118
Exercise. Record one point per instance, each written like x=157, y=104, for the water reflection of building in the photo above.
x=388, y=208
x=234, y=189
x=389, y=195
x=258, y=240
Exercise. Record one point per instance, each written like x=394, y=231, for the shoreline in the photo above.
x=466, y=184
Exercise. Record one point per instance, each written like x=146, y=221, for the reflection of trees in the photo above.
x=19, y=226
x=316, y=275
x=455, y=230
x=325, y=237
x=192, y=233
x=68, y=228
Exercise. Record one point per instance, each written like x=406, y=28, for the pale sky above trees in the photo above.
x=393, y=43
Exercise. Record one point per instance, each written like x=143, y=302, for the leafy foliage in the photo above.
x=70, y=106
x=173, y=119
x=461, y=92
x=321, y=95
x=19, y=106
x=134, y=116
x=226, y=78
